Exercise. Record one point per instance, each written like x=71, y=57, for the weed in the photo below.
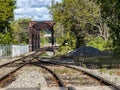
x=110, y=73
x=103, y=70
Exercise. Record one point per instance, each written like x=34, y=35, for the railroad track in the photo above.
x=58, y=79
x=9, y=77
x=7, y=69
x=100, y=79
x=16, y=65
x=34, y=54
x=54, y=68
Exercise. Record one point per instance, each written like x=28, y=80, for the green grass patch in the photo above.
x=102, y=61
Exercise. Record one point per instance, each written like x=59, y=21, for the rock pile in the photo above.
x=86, y=51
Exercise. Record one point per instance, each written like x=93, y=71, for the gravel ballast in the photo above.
x=108, y=75
x=114, y=78
x=6, y=70
x=29, y=77
x=87, y=51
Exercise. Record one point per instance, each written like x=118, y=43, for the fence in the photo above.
x=5, y=51
x=13, y=50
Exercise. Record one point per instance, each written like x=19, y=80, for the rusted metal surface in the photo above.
x=34, y=33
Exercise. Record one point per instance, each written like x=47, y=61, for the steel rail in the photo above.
x=102, y=80
x=12, y=72
x=59, y=80
x=24, y=57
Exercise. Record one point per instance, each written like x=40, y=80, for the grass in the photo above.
x=44, y=55
x=103, y=70
x=67, y=71
x=63, y=50
x=100, y=60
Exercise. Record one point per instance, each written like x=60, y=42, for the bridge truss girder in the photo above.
x=34, y=33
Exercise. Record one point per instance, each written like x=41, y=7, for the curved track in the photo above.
x=7, y=69
x=102, y=80
x=4, y=79
x=58, y=79
x=35, y=55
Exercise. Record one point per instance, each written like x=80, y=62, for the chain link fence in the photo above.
x=11, y=51
x=5, y=51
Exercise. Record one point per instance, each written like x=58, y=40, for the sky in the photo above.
x=35, y=9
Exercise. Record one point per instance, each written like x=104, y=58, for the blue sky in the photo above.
x=37, y=9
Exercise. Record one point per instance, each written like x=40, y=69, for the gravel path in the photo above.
x=29, y=77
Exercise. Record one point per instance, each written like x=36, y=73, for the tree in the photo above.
x=6, y=14
x=20, y=30
x=5, y=38
x=110, y=11
x=74, y=15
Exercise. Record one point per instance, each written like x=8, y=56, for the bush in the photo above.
x=63, y=50
x=99, y=43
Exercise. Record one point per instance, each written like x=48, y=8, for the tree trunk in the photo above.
x=79, y=41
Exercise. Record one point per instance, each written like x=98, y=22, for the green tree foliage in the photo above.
x=62, y=37
x=110, y=11
x=74, y=15
x=20, y=30
x=6, y=38
x=100, y=43
x=6, y=13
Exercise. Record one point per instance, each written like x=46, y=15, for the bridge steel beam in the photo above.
x=34, y=33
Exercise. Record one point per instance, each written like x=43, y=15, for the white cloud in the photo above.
x=22, y=3
x=39, y=3
x=31, y=11
x=37, y=9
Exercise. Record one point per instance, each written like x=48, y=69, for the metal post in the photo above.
x=52, y=32
x=29, y=30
